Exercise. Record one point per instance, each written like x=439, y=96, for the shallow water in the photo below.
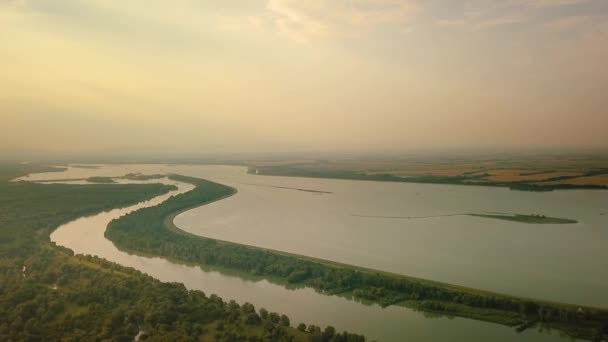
x=464, y=250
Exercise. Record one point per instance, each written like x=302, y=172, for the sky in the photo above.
x=91, y=76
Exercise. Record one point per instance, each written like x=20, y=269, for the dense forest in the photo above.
x=150, y=230
x=49, y=294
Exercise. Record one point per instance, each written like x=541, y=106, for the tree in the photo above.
x=275, y=318
x=253, y=318
x=285, y=320
x=247, y=308
x=264, y=313
x=314, y=330
x=329, y=332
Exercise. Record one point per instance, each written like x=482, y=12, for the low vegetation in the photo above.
x=151, y=231
x=101, y=180
x=140, y=177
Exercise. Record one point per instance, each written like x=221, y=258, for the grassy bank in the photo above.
x=49, y=294
x=151, y=231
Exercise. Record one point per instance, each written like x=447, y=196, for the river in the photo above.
x=275, y=212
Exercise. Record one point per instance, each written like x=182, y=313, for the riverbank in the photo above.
x=159, y=237
x=48, y=293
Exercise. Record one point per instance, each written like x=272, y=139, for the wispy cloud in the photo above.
x=574, y=23
x=12, y=3
x=481, y=14
x=303, y=20
x=551, y=3
x=239, y=23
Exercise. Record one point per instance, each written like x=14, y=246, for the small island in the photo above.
x=531, y=219
x=102, y=180
x=140, y=177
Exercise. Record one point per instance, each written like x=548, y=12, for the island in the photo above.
x=140, y=177
x=102, y=180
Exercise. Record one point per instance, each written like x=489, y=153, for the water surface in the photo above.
x=560, y=262
x=567, y=263
x=85, y=236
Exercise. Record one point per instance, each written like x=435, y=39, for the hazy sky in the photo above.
x=92, y=75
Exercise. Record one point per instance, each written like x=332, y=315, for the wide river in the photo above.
x=398, y=227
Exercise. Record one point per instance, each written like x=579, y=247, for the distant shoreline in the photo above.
x=426, y=179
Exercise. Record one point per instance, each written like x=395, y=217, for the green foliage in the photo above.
x=49, y=294
x=30, y=211
x=140, y=177
x=102, y=180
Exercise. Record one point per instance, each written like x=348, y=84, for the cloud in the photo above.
x=13, y=4
x=572, y=23
x=239, y=23
x=552, y=3
x=481, y=14
x=303, y=20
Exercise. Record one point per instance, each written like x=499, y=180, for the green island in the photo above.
x=140, y=177
x=531, y=219
x=102, y=180
x=49, y=294
x=150, y=231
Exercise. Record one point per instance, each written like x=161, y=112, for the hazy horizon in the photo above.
x=143, y=77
